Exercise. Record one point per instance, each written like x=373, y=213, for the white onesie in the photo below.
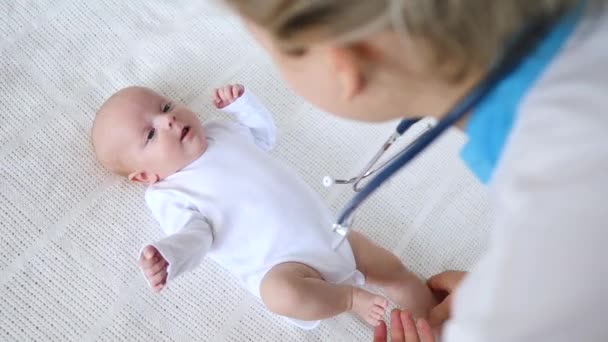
x=246, y=210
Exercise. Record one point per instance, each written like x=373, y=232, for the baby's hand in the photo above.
x=227, y=94
x=154, y=267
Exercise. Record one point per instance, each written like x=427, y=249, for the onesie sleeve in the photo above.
x=256, y=118
x=189, y=233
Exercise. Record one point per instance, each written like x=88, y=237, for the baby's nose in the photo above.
x=169, y=120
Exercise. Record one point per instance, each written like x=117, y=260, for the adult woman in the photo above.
x=538, y=137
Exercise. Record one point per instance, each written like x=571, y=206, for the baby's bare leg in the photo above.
x=298, y=291
x=384, y=269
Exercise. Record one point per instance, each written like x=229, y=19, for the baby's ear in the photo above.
x=143, y=177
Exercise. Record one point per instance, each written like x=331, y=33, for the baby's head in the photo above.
x=141, y=135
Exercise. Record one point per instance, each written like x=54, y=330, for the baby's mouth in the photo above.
x=185, y=131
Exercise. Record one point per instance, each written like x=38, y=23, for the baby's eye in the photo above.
x=151, y=134
x=167, y=107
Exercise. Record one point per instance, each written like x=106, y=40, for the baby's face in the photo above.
x=148, y=135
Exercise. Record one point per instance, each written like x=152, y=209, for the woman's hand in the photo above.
x=443, y=285
x=403, y=329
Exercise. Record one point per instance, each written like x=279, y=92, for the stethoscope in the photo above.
x=369, y=169
x=522, y=45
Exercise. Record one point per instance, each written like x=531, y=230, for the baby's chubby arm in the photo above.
x=249, y=112
x=189, y=238
x=175, y=254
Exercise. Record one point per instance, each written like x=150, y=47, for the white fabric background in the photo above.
x=70, y=231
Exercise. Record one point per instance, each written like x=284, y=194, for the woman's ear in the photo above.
x=143, y=177
x=351, y=63
x=348, y=65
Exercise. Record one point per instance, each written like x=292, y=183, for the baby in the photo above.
x=216, y=192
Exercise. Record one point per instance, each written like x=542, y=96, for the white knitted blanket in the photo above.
x=70, y=231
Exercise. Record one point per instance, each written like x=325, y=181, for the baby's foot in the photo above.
x=369, y=306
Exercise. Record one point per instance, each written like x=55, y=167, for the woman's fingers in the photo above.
x=441, y=312
x=446, y=281
x=425, y=331
x=397, y=333
x=409, y=327
x=380, y=332
x=403, y=329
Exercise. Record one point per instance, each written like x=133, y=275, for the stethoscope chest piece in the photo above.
x=341, y=231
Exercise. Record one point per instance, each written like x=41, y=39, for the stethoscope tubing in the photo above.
x=509, y=62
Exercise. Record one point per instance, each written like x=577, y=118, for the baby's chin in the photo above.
x=197, y=147
x=200, y=142
x=202, y=145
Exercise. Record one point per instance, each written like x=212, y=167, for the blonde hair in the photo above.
x=469, y=32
